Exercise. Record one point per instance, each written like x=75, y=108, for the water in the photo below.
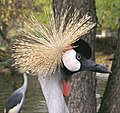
x=101, y=82
x=101, y=85
x=34, y=102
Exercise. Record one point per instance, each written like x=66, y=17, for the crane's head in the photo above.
x=42, y=50
x=78, y=59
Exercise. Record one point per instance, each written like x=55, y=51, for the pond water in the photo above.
x=34, y=102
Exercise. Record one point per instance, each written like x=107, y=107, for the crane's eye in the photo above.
x=78, y=56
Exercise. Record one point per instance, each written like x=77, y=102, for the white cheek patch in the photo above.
x=70, y=61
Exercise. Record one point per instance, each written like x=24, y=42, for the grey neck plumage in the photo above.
x=24, y=86
x=53, y=94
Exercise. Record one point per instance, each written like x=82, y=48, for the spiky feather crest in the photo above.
x=39, y=49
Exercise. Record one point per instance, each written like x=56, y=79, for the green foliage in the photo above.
x=14, y=9
x=11, y=9
x=108, y=12
x=41, y=10
x=14, y=12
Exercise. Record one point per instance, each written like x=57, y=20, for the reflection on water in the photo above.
x=34, y=102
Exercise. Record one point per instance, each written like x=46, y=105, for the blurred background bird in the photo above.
x=16, y=99
x=54, y=55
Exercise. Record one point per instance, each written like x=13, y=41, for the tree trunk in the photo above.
x=82, y=97
x=111, y=97
x=3, y=31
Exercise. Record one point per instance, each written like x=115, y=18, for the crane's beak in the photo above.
x=89, y=65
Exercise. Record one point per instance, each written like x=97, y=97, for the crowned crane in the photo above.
x=54, y=54
x=57, y=86
x=16, y=99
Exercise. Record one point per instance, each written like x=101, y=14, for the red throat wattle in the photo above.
x=66, y=86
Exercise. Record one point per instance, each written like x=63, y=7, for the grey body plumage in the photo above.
x=51, y=87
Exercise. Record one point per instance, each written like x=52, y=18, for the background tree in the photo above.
x=111, y=97
x=82, y=98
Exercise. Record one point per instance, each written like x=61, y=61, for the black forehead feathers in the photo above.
x=83, y=47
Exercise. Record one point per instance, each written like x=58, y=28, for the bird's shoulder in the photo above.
x=14, y=99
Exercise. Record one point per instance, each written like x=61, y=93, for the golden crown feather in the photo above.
x=39, y=49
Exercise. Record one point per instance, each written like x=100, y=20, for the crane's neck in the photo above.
x=24, y=86
x=51, y=87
